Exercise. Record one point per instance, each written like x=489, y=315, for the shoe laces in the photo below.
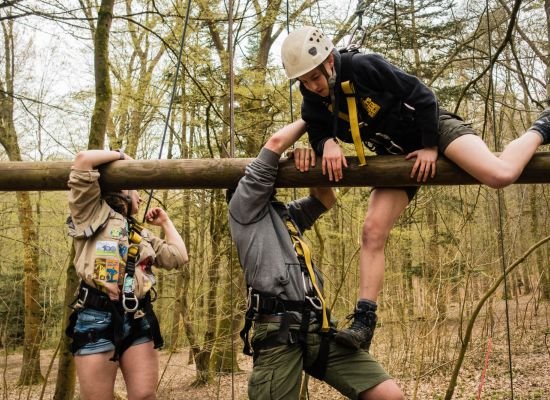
x=360, y=319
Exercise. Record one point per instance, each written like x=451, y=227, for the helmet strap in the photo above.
x=129, y=205
x=331, y=81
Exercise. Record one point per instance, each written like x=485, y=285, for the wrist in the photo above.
x=121, y=155
x=328, y=139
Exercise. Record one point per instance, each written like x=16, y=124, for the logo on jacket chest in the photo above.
x=370, y=106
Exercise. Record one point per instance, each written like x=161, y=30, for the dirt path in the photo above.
x=530, y=358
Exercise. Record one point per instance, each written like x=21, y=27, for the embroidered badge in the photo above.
x=106, y=248
x=116, y=233
x=370, y=106
x=111, y=267
x=121, y=272
x=122, y=250
x=100, y=269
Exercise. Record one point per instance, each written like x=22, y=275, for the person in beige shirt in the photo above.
x=113, y=318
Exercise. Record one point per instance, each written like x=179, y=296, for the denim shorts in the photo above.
x=89, y=319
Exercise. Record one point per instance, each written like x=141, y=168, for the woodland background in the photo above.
x=489, y=60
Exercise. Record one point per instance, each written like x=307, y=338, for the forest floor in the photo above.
x=530, y=360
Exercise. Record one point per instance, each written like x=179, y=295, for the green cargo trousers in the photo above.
x=277, y=370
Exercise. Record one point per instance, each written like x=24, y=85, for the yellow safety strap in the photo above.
x=302, y=249
x=349, y=91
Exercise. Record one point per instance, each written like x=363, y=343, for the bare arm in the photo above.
x=90, y=159
x=325, y=195
x=286, y=136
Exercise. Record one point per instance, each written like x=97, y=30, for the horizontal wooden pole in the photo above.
x=388, y=171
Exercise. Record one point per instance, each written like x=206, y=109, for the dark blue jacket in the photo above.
x=390, y=101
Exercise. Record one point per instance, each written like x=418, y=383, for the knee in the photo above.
x=142, y=394
x=374, y=234
x=390, y=391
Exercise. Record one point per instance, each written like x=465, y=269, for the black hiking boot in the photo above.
x=542, y=126
x=359, y=334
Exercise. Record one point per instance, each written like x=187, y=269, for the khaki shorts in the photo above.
x=450, y=128
x=277, y=370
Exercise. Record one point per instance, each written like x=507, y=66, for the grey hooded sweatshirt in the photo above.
x=265, y=249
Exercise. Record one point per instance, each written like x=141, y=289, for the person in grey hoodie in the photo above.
x=292, y=326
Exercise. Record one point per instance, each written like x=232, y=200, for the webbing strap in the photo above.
x=349, y=91
x=302, y=249
x=129, y=300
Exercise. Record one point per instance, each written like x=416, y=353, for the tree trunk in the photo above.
x=103, y=91
x=30, y=371
x=65, y=385
x=226, y=356
x=66, y=377
x=202, y=360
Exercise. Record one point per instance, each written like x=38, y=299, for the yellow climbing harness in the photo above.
x=302, y=250
x=349, y=91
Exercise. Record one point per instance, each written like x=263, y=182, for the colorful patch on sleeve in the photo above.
x=106, y=248
x=117, y=233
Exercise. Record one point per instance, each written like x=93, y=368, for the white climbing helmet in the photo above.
x=304, y=50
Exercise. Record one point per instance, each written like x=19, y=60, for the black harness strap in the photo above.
x=319, y=366
x=129, y=299
x=90, y=297
x=261, y=303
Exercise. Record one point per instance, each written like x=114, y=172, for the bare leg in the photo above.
x=96, y=376
x=140, y=365
x=385, y=207
x=471, y=154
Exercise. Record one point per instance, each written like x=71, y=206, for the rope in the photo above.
x=500, y=211
x=289, y=81
x=232, y=154
x=359, y=30
x=172, y=96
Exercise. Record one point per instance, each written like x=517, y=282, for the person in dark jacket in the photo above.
x=396, y=114
x=292, y=327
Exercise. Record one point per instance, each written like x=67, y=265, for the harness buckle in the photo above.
x=315, y=302
x=386, y=141
x=253, y=298
x=130, y=304
x=81, y=302
x=307, y=288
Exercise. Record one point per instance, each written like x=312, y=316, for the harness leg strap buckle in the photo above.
x=315, y=302
x=81, y=301
x=130, y=303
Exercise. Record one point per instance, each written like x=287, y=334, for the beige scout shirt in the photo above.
x=101, y=239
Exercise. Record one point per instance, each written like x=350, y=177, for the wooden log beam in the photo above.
x=222, y=173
